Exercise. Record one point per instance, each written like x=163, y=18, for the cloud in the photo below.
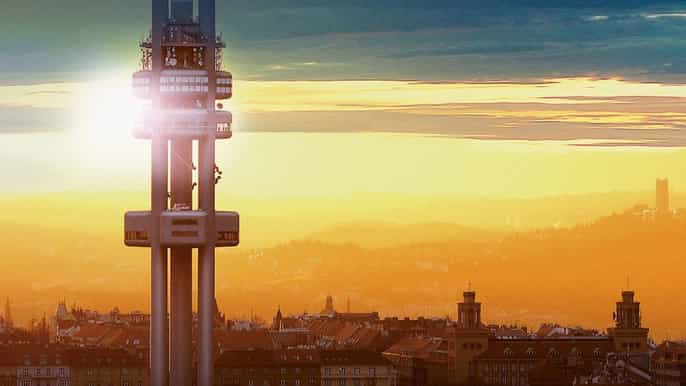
x=502, y=49
x=597, y=18
x=437, y=40
x=604, y=111
x=651, y=16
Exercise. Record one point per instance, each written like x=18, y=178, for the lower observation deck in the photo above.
x=184, y=123
x=185, y=228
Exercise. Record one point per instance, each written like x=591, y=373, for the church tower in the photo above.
x=469, y=311
x=277, y=324
x=471, y=337
x=628, y=335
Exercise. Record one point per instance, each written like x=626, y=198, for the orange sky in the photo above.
x=305, y=152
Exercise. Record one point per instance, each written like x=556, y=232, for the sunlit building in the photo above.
x=662, y=196
x=481, y=357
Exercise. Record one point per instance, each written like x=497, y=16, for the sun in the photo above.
x=106, y=111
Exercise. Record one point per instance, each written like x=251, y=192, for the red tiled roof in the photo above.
x=93, y=333
x=416, y=347
x=245, y=340
x=541, y=348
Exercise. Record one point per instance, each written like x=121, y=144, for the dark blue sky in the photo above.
x=383, y=39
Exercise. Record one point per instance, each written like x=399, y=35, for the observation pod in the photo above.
x=183, y=123
x=183, y=84
x=184, y=228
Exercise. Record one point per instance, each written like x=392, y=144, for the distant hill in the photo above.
x=385, y=234
x=398, y=256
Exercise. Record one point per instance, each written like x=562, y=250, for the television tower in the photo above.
x=181, y=75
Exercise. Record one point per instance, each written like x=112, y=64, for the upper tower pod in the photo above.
x=184, y=83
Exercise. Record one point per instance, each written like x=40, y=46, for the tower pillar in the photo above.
x=181, y=261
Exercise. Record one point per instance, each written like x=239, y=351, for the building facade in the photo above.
x=668, y=364
x=481, y=357
x=297, y=367
x=355, y=368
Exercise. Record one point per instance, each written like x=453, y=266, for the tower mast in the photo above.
x=182, y=78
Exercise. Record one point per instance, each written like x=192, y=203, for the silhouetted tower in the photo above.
x=662, y=196
x=8, y=314
x=628, y=334
x=628, y=313
x=471, y=338
x=328, y=307
x=277, y=324
x=182, y=76
x=469, y=311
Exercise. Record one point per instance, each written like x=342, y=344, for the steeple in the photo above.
x=8, y=314
x=628, y=311
x=471, y=337
x=277, y=324
x=469, y=311
x=328, y=307
x=628, y=334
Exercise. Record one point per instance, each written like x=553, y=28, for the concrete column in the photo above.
x=181, y=283
x=206, y=196
x=159, y=328
x=206, y=275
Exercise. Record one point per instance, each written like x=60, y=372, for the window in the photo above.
x=341, y=371
x=283, y=382
x=25, y=372
x=251, y=382
x=38, y=371
x=372, y=371
x=26, y=382
x=125, y=383
x=184, y=221
x=297, y=382
x=341, y=382
x=356, y=371
x=327, y=371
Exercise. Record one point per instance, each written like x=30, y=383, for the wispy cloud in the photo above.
x=605, y=110
x=597, y=18
x=663, y=15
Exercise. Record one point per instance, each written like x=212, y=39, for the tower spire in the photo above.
x=8, y=314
